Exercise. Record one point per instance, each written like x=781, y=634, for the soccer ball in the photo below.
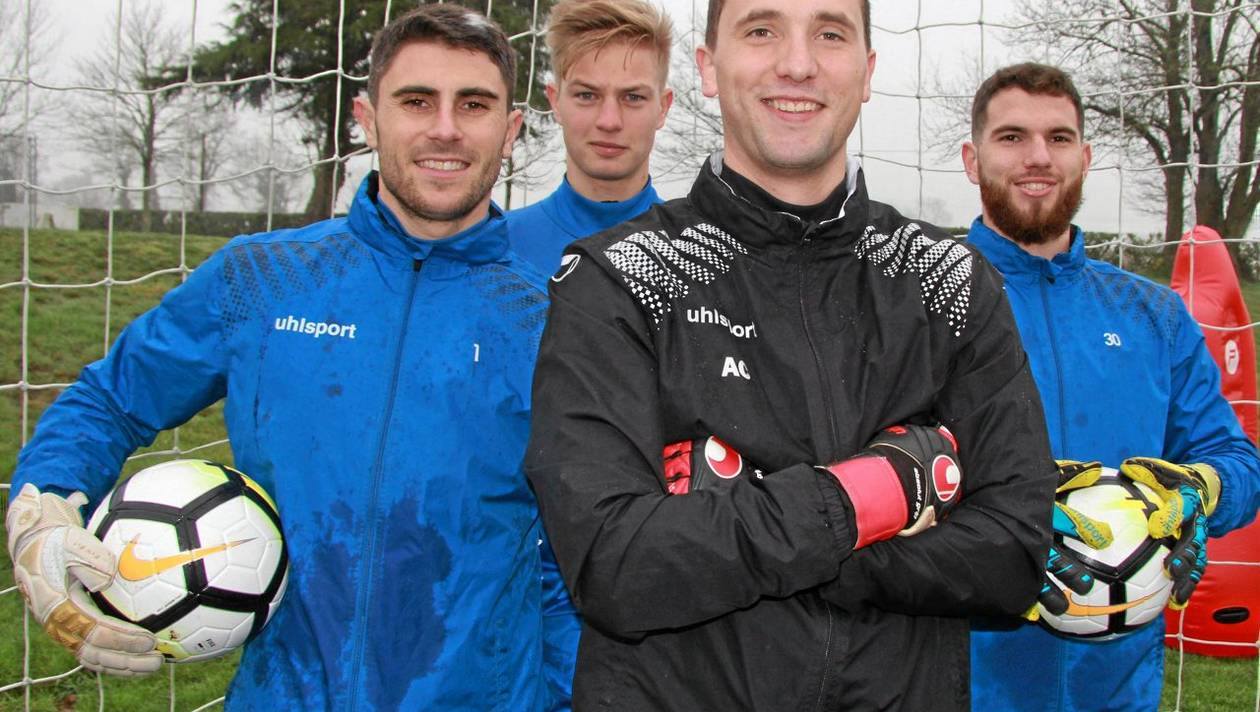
x=1130, y=586
x=202, y=562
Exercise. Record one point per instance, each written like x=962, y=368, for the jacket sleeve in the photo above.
x=1202, y=427
x=164, y=367
x=636, y=559
x=988, y=556
x=561, y=630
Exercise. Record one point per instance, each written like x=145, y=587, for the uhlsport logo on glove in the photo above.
x=947, y=476
x=725, y=462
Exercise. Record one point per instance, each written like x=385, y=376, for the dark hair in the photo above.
x=1031, y=77
x=715, y=14
x=448, y=24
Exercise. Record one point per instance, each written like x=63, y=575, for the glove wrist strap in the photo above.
x=877, y=496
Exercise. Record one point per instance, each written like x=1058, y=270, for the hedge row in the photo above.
x=1142, y=253
x=173, y=222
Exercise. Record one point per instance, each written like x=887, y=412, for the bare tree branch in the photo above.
x=129, y=125
x=25, y=47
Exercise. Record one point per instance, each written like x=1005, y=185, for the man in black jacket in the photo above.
x=780, y=309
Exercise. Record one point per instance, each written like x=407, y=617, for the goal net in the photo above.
x=129, y=151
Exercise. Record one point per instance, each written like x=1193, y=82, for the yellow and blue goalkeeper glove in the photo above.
x=1063, y=568
x=1188, y=495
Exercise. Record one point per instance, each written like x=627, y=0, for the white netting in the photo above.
x=77, y=164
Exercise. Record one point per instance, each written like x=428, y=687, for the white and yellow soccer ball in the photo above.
x=1130, y=587
x=202, y=562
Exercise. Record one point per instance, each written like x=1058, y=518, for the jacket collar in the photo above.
x=376, y=224
x=1012, y=260
x=715, y=199
x=580, y=216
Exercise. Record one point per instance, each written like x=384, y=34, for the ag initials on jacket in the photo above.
x=735, y=367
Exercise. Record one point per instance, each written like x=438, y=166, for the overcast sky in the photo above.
x=895, y=127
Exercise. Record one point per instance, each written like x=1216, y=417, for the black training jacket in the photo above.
x=795, y=343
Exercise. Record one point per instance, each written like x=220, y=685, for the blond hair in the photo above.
x=580, y=26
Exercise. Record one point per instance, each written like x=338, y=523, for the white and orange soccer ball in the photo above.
x=201, y=558
x=1130, y=587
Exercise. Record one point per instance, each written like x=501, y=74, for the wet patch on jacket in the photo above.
x=405, y=627
x=316, y=637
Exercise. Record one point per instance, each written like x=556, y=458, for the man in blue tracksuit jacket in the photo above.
x=391, y=439
x=611, y=61
x=1121, y=366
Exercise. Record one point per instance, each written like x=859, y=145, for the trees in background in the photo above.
x=694, y=127
x=25, y=47
x=128, y=121
x=1176, y=80
x=319, y=60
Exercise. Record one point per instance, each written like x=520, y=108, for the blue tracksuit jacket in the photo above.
x=1123, y=371
x=393, y=450
x=540, y=232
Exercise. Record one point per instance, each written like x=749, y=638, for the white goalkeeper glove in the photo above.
x=55, y=563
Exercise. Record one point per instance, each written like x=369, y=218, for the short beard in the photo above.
x=416, y=203
x=1038, y=228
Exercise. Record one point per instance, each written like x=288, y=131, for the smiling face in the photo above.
x=790, y=79
x=610, y=105
x=1030, y=162
x=441, y=125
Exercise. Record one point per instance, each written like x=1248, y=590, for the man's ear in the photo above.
x=667, y=100
x=553, y=92
x=515, y=120
x=870, y=72
x=971, y=162
x=365, y=115
x=708, y=72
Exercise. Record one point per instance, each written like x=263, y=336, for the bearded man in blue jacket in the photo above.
x=609, y=95
x=1125, y=379
x=392, y=439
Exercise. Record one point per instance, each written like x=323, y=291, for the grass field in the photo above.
x=67, y=328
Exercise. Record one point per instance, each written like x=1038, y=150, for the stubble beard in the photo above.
x=1030, y=228
x=413, y=199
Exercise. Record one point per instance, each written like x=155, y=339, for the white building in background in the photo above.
x=39, y=215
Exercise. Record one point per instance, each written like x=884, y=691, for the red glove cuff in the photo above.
x=878, y=499
x=678, y=467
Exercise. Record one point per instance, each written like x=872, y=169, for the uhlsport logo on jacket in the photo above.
x=315, y=328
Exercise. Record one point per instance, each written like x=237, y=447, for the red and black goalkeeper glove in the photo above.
x=704, y=463
x=904, y=481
